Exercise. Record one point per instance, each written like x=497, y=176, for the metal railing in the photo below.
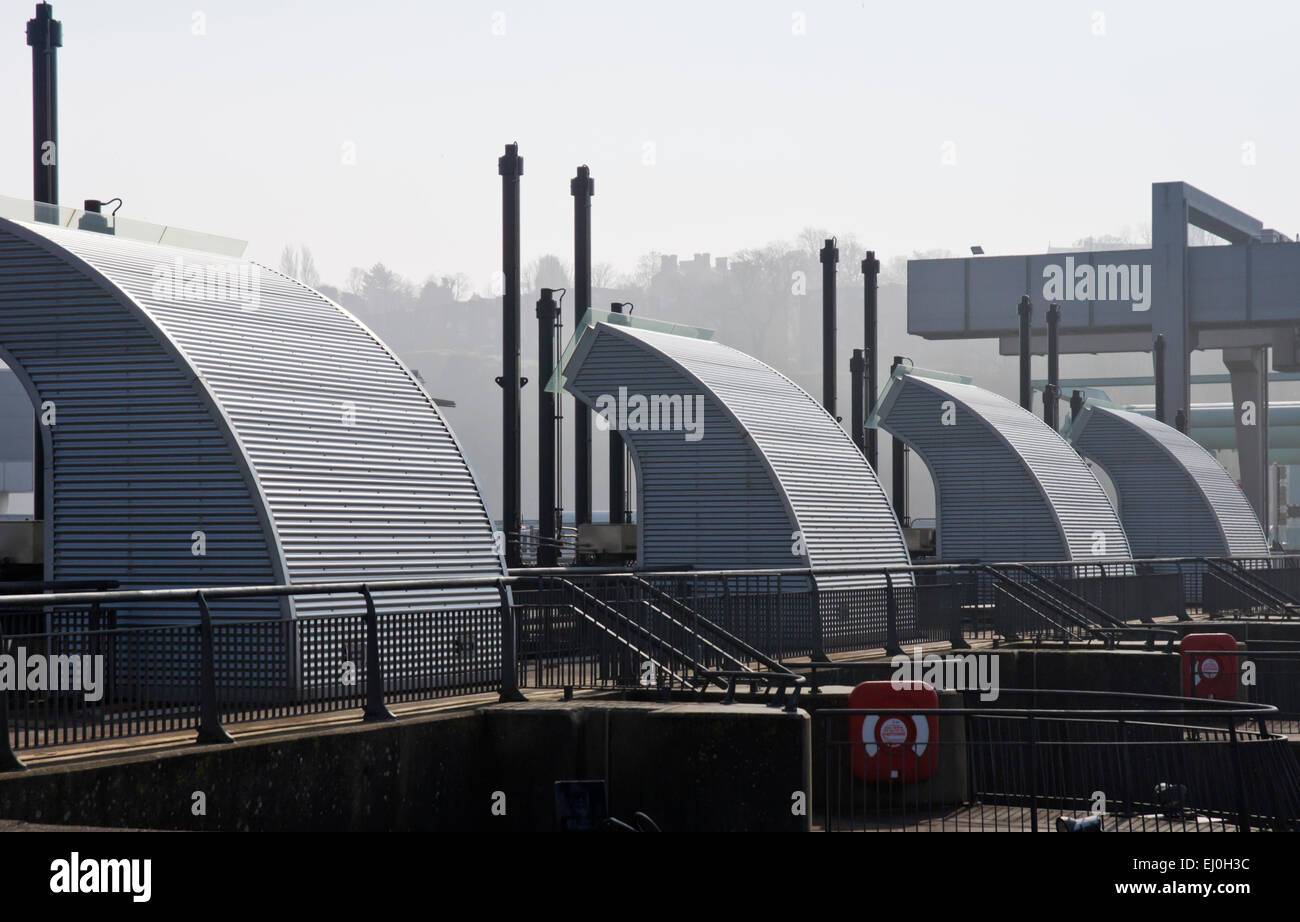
x=542, y=628
x=621, y=631
x=1041, y=760
x=89, y=679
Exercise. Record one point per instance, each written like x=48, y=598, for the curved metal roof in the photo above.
x=260, y=413
x=1007, y=487
x=1174, y=497
x=770, y=464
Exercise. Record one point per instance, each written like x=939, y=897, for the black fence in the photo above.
x=640, y=631
x=569, y=628
x=1064, y=761
x=90, y=678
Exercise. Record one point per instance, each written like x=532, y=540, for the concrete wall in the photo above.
x=689, y=767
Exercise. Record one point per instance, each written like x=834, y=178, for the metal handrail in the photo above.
x=1104, y=617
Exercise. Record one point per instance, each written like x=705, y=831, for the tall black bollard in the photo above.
x=1158, y=366
x=870, y=282
x=830, y=255
x=857, y=400
x=1026, y=310
x=582, y=187
x=548, y=550
x=1052, y=393
x=899, y=466
x=45, y=36
x=617, y=462
x=511, y=167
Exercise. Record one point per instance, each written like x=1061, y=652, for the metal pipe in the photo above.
x=899, y=466
x=1076, y=404
x=1026, y=310
x=45, y=36
x=617, y=462
x=582, y=187
x=548, y=552
x=1158, y=361
x=1052, y=391
x=857, y=415
x=830, y=255
x=870, y=279
x=510, y=166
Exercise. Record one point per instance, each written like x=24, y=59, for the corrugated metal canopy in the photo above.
x=1174, y=497
x=200, y=392
x=1007, y=487
x=768, y=480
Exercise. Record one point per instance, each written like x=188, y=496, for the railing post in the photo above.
x=1033, y=775
x=376, y=710
x=1243, y=816
x=956, y=639
x=509, y=653
x=818, y=638
x=9, y=762
x=210, y=729
x=892, y=647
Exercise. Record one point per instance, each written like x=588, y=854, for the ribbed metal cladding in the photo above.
x=1174, y=497
x=139, y=462
x=771, y=462
x=1007, y=487
x=345, y=460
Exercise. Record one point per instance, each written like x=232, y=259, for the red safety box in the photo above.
x=894, y=747
x=1210, y=667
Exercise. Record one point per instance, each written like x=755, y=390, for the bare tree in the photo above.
x=289, y=261
x=547, y=271
x=299, y=264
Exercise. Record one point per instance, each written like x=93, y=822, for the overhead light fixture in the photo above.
x=977, y=250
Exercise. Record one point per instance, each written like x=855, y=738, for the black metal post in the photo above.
x=509, y=655
x=1033, y=773
x=1026, y=310
x=38, y=469
x=830, y=255
x=892, y=647
x=870, y=282
x=1158, y=361
x=857, y=401
x=1180, y=421
x=1076, y=404
x=617, y=456
x=375, y=707
x=1238, y=775
x=510, y=166
x=548, y=550
x=582, y=187
x=1052, y=392
x=45, y=36
x=899, y=467
x=9, y=761
x=210, y=729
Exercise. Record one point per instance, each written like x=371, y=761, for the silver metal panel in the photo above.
x=771, y=464
x=1174, y=498
x=1007, y=487
x=139, y=463
x=345, y=459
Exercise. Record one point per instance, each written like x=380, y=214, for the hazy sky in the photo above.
x=708, y=126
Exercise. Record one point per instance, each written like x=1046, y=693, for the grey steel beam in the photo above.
x=1248, y=369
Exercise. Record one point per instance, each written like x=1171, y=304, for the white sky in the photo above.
x=757, y=131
